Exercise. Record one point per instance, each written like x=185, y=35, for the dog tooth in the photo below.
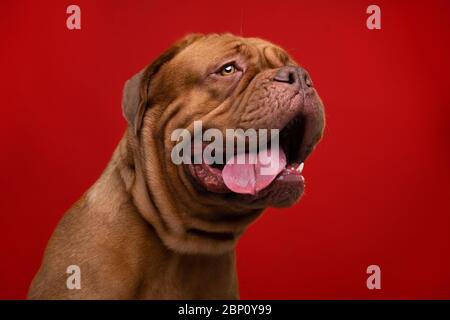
x=300, y=167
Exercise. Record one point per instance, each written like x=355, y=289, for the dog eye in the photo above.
x=228, y=69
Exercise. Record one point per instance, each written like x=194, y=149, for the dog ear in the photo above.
x=132, y=104
x=136, y=91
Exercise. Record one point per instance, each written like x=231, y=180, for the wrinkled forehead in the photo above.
x=217, y=49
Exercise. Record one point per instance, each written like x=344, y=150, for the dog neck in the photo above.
x=168, y=260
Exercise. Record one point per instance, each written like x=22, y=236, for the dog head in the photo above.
x=220, y=83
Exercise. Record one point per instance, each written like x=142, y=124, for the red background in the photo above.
x=377, y=187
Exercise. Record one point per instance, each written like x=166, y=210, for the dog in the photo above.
x=152, y=229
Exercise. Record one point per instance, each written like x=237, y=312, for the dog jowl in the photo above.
x=152, y=227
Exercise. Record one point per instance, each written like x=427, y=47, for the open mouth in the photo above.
x=270, y=173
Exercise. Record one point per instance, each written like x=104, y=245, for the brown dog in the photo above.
x=151, y=229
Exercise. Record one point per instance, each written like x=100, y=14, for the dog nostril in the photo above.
x=287, y=75
x=291, y=78
x=293, y=75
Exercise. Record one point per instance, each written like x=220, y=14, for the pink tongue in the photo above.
x=244, y=176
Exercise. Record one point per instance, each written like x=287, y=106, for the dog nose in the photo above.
x=293, y=75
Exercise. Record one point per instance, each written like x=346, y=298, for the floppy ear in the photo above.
x=132, y=105
x=137, y=89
